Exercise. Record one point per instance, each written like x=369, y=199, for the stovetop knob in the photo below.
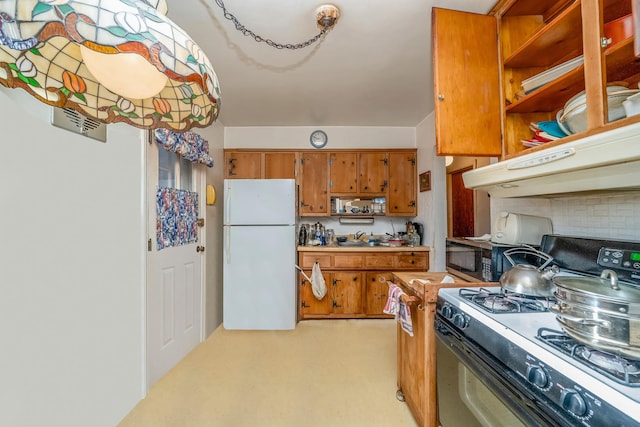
x=447, y=311
x=572, y=401
x=537, y=376
x=460, y=321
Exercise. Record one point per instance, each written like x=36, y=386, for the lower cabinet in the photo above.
x=377, y=292
x=356, y=282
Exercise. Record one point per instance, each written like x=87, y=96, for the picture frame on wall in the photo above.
x=425, y=181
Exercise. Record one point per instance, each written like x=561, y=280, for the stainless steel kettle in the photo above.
x=527, y=279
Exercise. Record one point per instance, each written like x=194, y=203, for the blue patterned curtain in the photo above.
x=188, y=144
x=176, y=217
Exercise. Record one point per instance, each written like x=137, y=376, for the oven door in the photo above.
x=476, y=390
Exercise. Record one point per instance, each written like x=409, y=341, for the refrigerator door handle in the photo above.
x=227, y=205
x=228, y=245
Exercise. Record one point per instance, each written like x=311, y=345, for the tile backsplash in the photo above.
x=614, y=216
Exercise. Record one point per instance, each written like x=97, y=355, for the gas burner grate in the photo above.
x=505, y=301
x=623, y=371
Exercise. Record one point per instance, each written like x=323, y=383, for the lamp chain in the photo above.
x=270, y=42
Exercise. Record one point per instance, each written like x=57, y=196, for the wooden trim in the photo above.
x=594, y=66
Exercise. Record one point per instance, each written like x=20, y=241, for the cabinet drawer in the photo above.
x=308, y=259
x=348, y=261
x=411, y=261
x=379, y=261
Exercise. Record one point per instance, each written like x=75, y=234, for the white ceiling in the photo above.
x=372, y=69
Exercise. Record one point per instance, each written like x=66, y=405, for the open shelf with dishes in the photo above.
x=548, y=52
x=534, y=40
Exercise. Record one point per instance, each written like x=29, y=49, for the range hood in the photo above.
x=607, y=161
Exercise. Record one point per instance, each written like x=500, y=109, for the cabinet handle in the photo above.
x=440, y=97
x=604, y=42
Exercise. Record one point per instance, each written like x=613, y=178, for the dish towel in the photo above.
x=318, y=284
x=398, y=308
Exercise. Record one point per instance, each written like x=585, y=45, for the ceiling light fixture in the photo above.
x=112, y=60
x=326, y=17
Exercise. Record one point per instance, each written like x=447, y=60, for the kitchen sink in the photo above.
x=353, y=243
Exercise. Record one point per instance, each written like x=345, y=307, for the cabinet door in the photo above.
x=402, y=184
x=314, y=180
x=241, y=165
x=309, y=304
x=466, y=84
x=343, y=173
x=346, y=292
x=279, y=165
x=377, y=292
x=372, y=174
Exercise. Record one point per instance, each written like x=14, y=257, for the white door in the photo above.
x=175, y=275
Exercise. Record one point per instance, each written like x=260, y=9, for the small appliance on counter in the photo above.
x=517, y=229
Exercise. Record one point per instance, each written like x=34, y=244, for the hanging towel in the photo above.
x=398, y=308
x=318, y=285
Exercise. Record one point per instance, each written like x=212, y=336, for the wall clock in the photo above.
x=318, y=138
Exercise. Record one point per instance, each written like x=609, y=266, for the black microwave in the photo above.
x=480, y=260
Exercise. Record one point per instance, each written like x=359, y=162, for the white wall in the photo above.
x=213, y=217
x=610, y=215
x=72, y=228
x=432, y=205
x=266, y=137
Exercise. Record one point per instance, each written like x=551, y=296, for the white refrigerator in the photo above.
x=259, y=278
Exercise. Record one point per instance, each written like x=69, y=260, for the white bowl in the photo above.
x=563, y=127
x=574, y=117
x=632, y=105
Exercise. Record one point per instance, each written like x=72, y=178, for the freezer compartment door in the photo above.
x=259, y=201
x=259, y=289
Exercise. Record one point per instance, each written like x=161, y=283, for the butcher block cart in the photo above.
x=417, y=353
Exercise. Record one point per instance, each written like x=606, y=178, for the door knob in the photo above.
x=199, y=249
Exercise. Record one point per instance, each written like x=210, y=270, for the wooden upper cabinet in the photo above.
x=372, y=172
x=358, y=173
x=402, y=184
x=481, y=62
x=343, y=177
x=314, y=182
x=260, y=164
x=242, y=165
x=279, y=165
x=466, y=84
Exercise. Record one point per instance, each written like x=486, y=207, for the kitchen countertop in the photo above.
x=429, y=291
x=335, y=248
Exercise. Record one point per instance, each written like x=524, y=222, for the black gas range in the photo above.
x=515, y=345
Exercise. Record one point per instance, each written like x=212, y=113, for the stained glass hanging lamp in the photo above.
x=112, y=60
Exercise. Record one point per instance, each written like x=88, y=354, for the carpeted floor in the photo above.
x=324, y=373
